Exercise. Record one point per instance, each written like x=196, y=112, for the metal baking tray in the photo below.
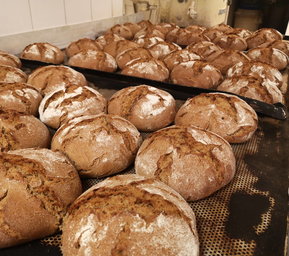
x=248, y=217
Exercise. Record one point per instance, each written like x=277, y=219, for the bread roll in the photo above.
x=147, y=42
x=186, y=37
x=44, y=52
x=233, y=42
x=152, y=69
x=94, y=59
x=116, y=47
x=146, y=107
x=106, y=39
x=282, y=45
x=49, y=78
x=37, y=186
x=252, y=87
x=58, y=107
x=196, y=74
x=224, y=114
x=162, y=49
x=10, y=74
x=11, y=60
x=81, y=45
x=122, y=30
x=20, y=97
x=134, y=216
x=269, y=55
x=194, y=162
x=20, y=130
x=98, y=145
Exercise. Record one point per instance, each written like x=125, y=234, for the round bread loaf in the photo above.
x=10, y=74
x=186, y=37
x=146, y=107
x=227, y=59
x=130, y=215
x=11, y=60
x=98, y=145
x=114, y=48
x=230, y=41
x=196, y=29
x=122, y=30
x=94, y=59
x=242, y=32
x=147, y=42
x=149, y=32
x=133, y=54
x=20, y=130
x=37, y=186
x=282, y=45
x=179, y=56
x=58, y=107
x=134, y=28
x=213, y=33
x=194, y=162
x=165, y=27
x=49, y=78
x=145, y=24
x=269, y=55
x=196, y=74
x=152, y=69
x=263, y=37
x=44, y=52
x=107, y=38
x=224, y=114
x=162, y=49
x=172, y=35
x=207, y=50
x=223, y=27
x=259, y=70
x=81, y=45
x=252, y=87
x=20, y=97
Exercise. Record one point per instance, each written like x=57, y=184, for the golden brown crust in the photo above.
x=122, y=31
x=147, y=42
x=10, y=74
x=162, y=49
x=116, y=47
x=231, y=41
x=9, y=60
x=80, y=45
x=107, y=38
x=186, y=37
x=282, y=45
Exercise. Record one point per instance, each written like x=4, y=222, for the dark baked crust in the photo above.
x=10, y=74
x=80, y=45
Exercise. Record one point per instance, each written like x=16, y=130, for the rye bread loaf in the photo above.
x=196, y=74
x=224, y=114
x=231, y=41
x=186, y=37
x=44, y=52
x=81, y=45
x=20, y=97
x=8, y=59
x=122, y=31
x=194, y=162
x=149, y=32
x=20, y=130
x=114, y=48
x=60, y=106
x=213, y=33
x=10, y=74
x=147, y=42
x=130, y=215
x=165, y=27
x=37, y=186
x=107, y=38
x=145, y=24
x=134, y=27
x=172, y=36
x=93, y=59
x=282, y=45
x=98, y=145
x=162, y=49
x=242, y=32
x=223, y=27
x=48, y=78
x=196, y=28
x=146, y=107
x=252, y=87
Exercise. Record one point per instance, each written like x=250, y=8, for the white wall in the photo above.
x=18, y=16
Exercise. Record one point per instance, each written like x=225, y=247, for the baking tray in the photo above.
x=248, y=217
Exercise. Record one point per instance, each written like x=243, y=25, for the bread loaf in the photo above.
x=81, y=45
x=134, y=27
x=194, y=162
x=149, y=32
x=106, y=39
x=98, y=145
x=282, y=45
x=162, y=49
x=116, y=47
x=172, y=35
x=130, y=215
x=186, y=37
x=11, y=60
x=223, y=27
x=10, y=74
x=147, y=42
x=165, y=27
x=37, y=186
x=122, y=30
x=224, y=114
x=196, y=29
x=230, y=41
x=242, y=32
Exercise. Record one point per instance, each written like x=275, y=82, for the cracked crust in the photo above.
x=130, y=215
x=11, y=60
x=114, y=48
x=37, y=185
x=10, y=74
x=194, y=162
x=230, y=41
x=161, y=49
x=80, y=45
x=224, y=114
x=98, y=145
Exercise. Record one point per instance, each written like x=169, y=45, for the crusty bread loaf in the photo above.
x=282, y=45
x=162, y=49
x=196, y=74
x=45, y=52
x=186, y=37
x=37, y=186
x=213, y=33
x=149, y=32
x=58, y=107
x=48, y=78
x=93, y=59
x=80, y=45
x=179, y=56
x=107, y=38
x=145, y=24
x=259, y=70
x=114, y=48
x=242, y=32
x=134, y=27
x=146, y=107
x=18, y=130
x=8, y=59
x=194, y=162
x=227, y=59
x=252, y=87
x=224, y=114
x=152, y=69
x=130, y=215
x=196, y=28
x=98, y=145
x=172, y=35
x=231, y=41
x=147, y=42
x=10, y=74
x=269, y=55
x=20, y=97
x=133, y=54
x=165, y=27
x=122, y=30
x=223, y=27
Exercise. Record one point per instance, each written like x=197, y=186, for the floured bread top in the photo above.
x=223, y=114
x=231, y=41
x=282, y=45
x=242, y=32
x=10, y=74
x=162, y=49
x=62, y=105
x=80, y=45
x=186, y=37
x=134, y=216
x=9, y=60
x=107, y=38
x=147, y=42
x=116, y=47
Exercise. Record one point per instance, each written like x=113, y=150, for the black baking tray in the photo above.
x=249, y=216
